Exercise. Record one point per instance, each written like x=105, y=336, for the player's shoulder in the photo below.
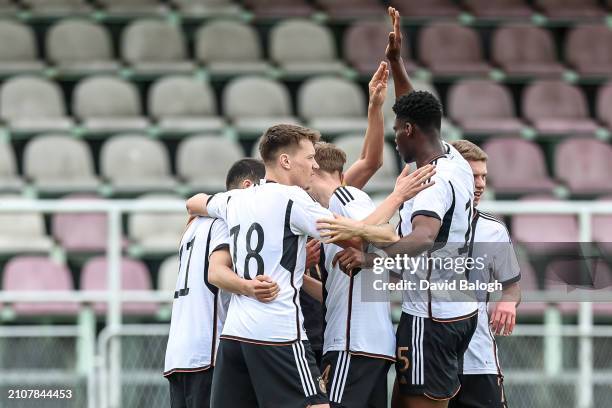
x=347, y=194
x=493, y=224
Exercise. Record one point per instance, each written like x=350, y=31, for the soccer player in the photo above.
x=199, y=308
x=264, y=355
x=482, y=379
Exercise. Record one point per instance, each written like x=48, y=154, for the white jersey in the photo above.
x=199, y=308
x=351, y=324
x=450, y=201
x=268, y=225
x=492, y=239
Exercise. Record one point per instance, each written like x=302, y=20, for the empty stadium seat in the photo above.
x=106, y=104
x=332, y=105
x=131, y=8
x=584, y=165
x=60, y=163
x=431, y=8
x=483, y=106
x=499, y=8
x=364, y=46
x=384, y=179
x=18, y=49
x=302, y=47
x=604, y=102
x=452, y=49
x=154, y=47
x=601, y=229
x=79, y=46
x=229, y=48
x=517, y=166
x=589, y=50
x=135, y=164
x=9, y=180
x=81, y=232
x=529, y=283
x=168, y=273
x=351, y=9
x=417, y=84
x=256, y=103
x=203, y=161
x=570, y=9
x=157, y=232
x=33, y=104
x=134, y=276
x=555, y=107
x=7, y=7
x=58, y=8
x=38, y=273
x=279, y=8
x=202, y=8
x=184, y=104
x=22, y=231
x=525, y=50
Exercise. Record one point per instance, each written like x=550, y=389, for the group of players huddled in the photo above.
x=296, y=228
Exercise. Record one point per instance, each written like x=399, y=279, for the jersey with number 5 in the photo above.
x=268, y=226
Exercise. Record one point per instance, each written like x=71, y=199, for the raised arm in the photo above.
x=196, y=205
x=371, y=158
x=393, y=53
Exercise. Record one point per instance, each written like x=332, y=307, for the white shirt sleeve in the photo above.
x=506, y=269
x=359, y=208
x=435, y=200
x=219, y=236
x=217, y=205
x=305, y=213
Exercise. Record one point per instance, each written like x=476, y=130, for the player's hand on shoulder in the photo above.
x=262, y=288
x=338, y=229
x=503, y=318
x=394, y=45
x=408, y=185
x=196, y=204
x=350, y=260
x=313, y=253
x=378, y=86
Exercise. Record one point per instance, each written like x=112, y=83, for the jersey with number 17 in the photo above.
x=268, y=227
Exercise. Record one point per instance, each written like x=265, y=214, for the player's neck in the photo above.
x=429, y=152
x=278, y=177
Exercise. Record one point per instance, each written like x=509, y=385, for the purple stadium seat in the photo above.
x=522, y=49
x=279, y=8
x=430, y=8
x=529, y=283
x=452, y=49
x=517, y=166
x=588, y=48
x=38, y=273
x=584, y=165
x=364, y=46
x=543, y=234
x=134, y=276
x=604, y=102
x=499, y=8
x=570, y=9
x=601, y=228
x=483, y=106
x=343, y=9
x=555, y=107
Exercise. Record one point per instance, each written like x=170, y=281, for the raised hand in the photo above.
x=394, y=45
x=378, y=85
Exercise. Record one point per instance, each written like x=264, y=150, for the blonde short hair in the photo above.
x=469, y=150
x=329, y=157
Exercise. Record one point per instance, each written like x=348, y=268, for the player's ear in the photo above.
x=284, y=161
x=246, y=183
x=409, y=128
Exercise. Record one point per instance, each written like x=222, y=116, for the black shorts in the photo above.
x=355, y=381
x=480, y=391
x=429, y=354
x=251, y=375
x=190, y=390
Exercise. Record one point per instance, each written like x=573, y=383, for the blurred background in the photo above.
x=144, y=102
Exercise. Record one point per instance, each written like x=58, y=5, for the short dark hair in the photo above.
x=244, y=169
x=284, y=136
x=421, y=108
x=329, y=157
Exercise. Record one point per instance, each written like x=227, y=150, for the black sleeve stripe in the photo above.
x=341, y=191
x=347, y=191
x=426, y=213
x=510, y=281
x=220, y=247
x=210, y=198
x=490, y=217
x=337, y=194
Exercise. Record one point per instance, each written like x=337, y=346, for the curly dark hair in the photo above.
x=421, y=108
x=244, y=169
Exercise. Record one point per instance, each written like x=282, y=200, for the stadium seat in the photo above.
x=525, y=50
x=132, y=8
x=79, y=46
x=9, y=180
x=80, y=233
x=22, y=232
x=134, y=276
x=279, y=8
x=332, y=105
x=168, y=273
x=184, y=104
x=517, y=166
x=8, y=8
x=604, y=101
x=59, y=164
x=364, y=46
x=351, y=9
x=431, y=8
x=107, y=104
x=136, y=164
x=589, y=50
x=555, y=107
x=18, y=49
x=584, y=165
x=483, y=106
x=33, y=104
x=156, y=233
x=203, y=8
x=570, y=9
x=230, y=48
x=255, y=103
x=38, y=273
x=302, y=47
x=384, y=179
x=601, y=228
x=203, y=161
x=496, y=9
x=154, y=47
x=57, y=8
x=451, y=49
